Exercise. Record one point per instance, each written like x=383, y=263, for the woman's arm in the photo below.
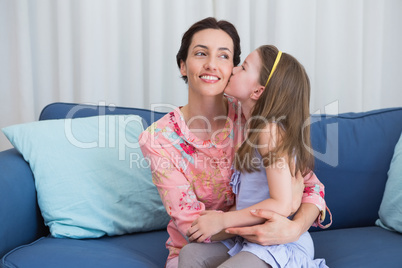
x=314, y=194
x=278, y=229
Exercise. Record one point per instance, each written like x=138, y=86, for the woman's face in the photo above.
x=245, y=78
x=209, y=62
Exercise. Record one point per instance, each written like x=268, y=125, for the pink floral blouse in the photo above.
x=193, y=175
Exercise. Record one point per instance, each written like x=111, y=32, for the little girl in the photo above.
x=274, y=91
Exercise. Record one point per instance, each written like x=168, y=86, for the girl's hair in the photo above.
x=284, y=101
x=209, y=23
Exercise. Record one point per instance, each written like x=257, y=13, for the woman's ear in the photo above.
x=183, y=68
x=257, y=93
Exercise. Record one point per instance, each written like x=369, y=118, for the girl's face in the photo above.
x=245, y=78
x=209, y=62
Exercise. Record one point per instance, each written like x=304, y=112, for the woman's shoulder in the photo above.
x=166, y=124
x=160, y=123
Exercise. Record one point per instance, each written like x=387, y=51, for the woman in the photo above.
x=192, y=148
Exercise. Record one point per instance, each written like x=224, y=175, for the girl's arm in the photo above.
x=212, y=222
x=277, y=229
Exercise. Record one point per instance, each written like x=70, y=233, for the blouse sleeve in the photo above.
x=314, y=194
x=174, y=188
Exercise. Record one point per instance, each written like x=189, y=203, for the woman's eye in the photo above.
x=200, y=54
x=224, y=56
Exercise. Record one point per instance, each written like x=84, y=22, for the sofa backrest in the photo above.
x=61, y=110
x=353, y=152
x=21, y=221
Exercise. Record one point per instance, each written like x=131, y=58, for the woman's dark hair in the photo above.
x=209, y=23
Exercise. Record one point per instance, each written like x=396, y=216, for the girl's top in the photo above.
x=193, y=175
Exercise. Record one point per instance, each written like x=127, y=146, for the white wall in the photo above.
x=123, y=51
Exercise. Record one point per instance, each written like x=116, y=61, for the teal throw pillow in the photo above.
x=391, y=206
x=90, y=175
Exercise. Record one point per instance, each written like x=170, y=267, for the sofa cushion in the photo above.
x=391, y=206
x=137, y=250
x=89, y=175
x=359, y=247
x=61, y=110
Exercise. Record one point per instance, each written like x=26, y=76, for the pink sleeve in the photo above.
x=174, y=189
x=314, y=194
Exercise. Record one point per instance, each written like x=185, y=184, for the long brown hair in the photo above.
x=285, y=101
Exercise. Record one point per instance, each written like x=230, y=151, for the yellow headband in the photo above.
x=278, y=57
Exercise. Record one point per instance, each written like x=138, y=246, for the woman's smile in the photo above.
x=208, y=78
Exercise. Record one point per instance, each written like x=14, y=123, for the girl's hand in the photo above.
x=209, y=223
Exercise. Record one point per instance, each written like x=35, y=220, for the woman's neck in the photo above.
x=206, y=114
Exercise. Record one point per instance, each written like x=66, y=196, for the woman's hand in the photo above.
x=208, y=224
x=276, y=229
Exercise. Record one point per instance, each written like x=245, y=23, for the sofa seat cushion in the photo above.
x=136, y=250
x=359, y=247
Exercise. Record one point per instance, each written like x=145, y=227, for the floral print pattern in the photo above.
x=191, y=174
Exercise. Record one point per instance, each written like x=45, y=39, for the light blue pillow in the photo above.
x=391, y=206
x=90, y=175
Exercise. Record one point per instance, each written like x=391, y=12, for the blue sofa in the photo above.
x=353, y=154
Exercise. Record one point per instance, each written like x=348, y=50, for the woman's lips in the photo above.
x=209, y=78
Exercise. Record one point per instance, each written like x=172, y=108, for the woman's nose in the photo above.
x=210, y=63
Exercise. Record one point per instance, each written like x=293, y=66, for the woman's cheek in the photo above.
x=228, y=73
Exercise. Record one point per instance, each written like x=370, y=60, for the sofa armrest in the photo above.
x=20, y=218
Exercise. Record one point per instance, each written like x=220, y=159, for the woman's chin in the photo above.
x=227, y=93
